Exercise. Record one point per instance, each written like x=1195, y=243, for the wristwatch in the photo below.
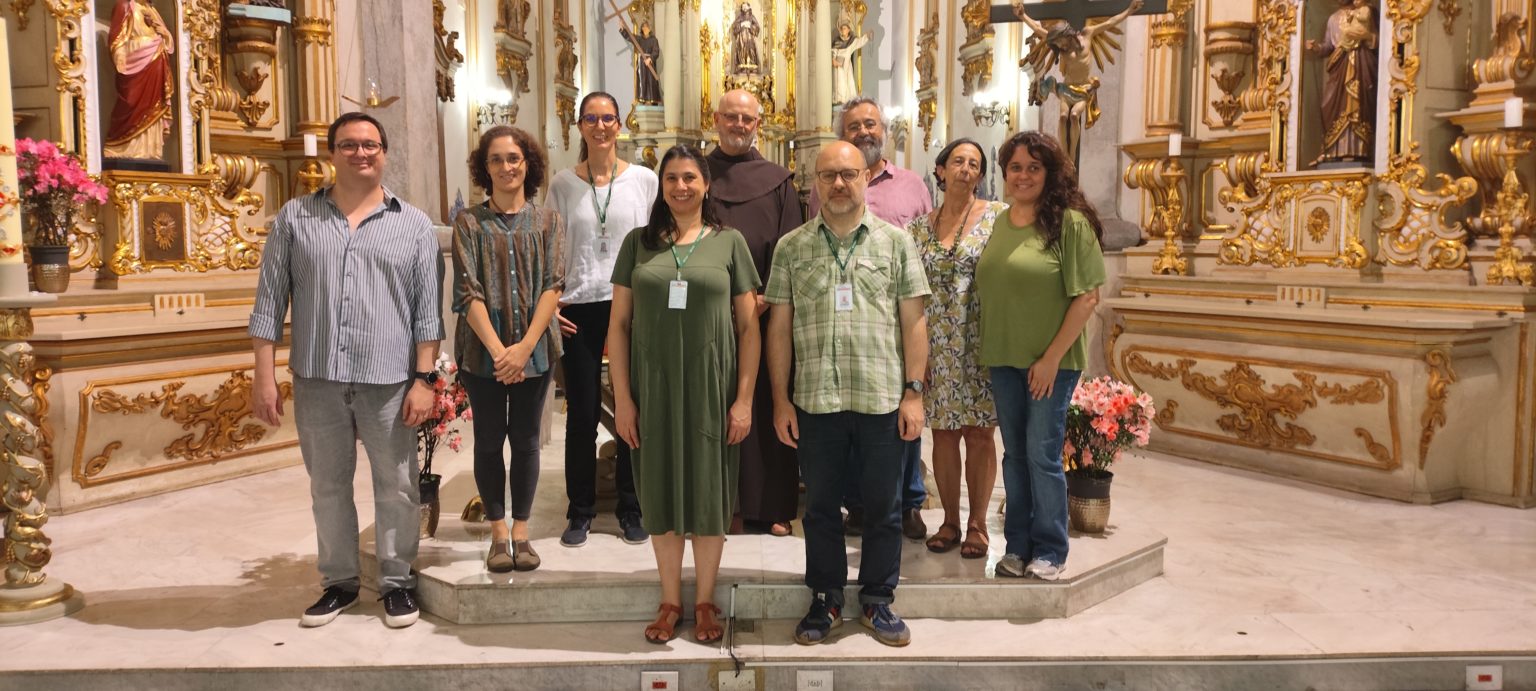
x=430, y=377
x=914, y=385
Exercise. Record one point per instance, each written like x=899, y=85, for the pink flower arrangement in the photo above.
x=53, y=189
x=450, y=405
x=1105, y=418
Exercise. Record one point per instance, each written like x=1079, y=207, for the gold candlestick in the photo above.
x=1170, y=259
x=1510, y=211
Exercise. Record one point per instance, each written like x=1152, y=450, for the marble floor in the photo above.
x=214, y=577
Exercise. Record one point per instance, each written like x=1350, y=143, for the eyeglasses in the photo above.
x=352, y=147
x=739, y=118
x=591, y=119
x=866, y=125
x=828, y=177
x=497, y=161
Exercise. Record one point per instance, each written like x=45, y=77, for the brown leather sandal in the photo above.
x=976, y=545
x=523, y=556
x=706, y=628
x=661, y=631
x=940, y=542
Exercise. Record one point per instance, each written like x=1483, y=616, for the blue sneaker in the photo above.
x=819, y=621
x=888, y=627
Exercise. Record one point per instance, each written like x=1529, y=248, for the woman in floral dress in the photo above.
x=959, y=397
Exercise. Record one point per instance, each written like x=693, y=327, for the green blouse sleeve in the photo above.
x=743, y=270
x=1082, y=262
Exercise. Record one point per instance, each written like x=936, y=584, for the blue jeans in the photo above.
x=913, y=491
x=1033, y=431
x=837, y=449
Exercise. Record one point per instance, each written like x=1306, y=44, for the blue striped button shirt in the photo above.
x=362, y=299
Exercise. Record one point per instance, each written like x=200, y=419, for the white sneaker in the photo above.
x=1043, y=570
x=1011, y=565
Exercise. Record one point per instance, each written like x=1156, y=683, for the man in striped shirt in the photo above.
x=363, y=272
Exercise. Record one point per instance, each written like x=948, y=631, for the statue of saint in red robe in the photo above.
x=141, y=49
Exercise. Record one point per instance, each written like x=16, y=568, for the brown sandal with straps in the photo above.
x=978, y=547
x=661, y=631
x=705, y=627
x=941, y=542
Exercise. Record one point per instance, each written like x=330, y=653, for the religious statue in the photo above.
x=1066, y=47
x=1349, y=87
x=844, y=46
x=278, y=4
x=647, y=53
x=141, y=49
x=511, y=15
x=744, y=33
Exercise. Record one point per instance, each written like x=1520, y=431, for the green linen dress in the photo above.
x=682, y=372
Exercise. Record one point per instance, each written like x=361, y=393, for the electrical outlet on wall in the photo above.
x=730, y=680
x=1485, y=677
x=659, y=681
x=813, y=680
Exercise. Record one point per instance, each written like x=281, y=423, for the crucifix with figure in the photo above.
x=1063, y=39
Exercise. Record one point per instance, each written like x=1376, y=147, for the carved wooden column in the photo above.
x=313, y=28
x=28, y=595
x=1166, y=71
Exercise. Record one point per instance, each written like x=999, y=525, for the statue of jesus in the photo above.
x=1070, y=50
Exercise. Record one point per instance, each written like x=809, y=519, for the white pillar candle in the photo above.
x=10, y=187
x=311, y=147
x=1514, y=112
x=1175, y=145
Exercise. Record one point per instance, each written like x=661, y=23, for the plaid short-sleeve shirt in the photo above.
x=847, y=360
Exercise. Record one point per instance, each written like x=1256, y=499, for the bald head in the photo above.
x=841, y=179
x=736, y=121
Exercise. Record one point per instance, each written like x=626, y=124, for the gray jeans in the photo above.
x=331, y=418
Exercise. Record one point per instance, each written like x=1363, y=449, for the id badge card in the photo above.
x=842, y=297
x=677, y=295
x=602, y=246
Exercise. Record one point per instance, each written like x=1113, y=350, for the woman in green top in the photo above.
x=1038, y=282
x=683, y=357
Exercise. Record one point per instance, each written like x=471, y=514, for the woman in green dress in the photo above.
x=683, y=357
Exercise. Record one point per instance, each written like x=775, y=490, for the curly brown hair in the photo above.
x=1061, y=192
x=533, y=158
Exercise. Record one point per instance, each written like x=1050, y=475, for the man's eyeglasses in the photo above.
x=848, y=175
x=591, y=119
x=351, y=147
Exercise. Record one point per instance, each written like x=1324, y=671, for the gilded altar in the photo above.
x=1362, y=324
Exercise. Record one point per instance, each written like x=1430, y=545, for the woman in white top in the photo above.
x=601, y=199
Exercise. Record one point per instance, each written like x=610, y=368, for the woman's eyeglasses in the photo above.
x=591, y=119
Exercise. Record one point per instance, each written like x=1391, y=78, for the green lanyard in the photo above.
x=602, y=212
x=684, y=261
x=842, y=263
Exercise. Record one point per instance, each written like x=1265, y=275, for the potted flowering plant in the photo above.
x=450, y=404
x=54, y=188
x=1106, y=418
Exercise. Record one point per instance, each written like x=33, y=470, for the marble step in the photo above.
x=761, y=577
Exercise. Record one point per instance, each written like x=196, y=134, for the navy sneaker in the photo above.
x=819, y=621
x=575, y=534
x=633, y=533
x=331, y=604
x=400, y=608
x=888, y=627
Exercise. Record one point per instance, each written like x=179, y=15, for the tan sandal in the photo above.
x=975, y=548
x=706, y=628
x=523, y=556
x=500, y=559
x=661, y=631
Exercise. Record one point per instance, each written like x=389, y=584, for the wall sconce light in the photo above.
x=988, y=112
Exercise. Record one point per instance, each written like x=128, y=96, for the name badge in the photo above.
x=842, y=297
x=677, y=295
x=602, y=246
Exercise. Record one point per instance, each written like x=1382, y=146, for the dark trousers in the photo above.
x=913, y=491
x=836, y=449
x=506, y=412
x=582, y=362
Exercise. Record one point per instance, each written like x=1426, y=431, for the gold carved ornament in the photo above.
x=216, y=423
x=1264, y=413
x=40, y=379
x=706, y=53
x=1266, y=233
x=1511, y=58
x=203, y=66
x=514, y=68
x=312, y=30
x=976, y=16
x=23, y=478
x=1511, y=212
x=1441, y=376
x=1171, y=29
x=1411, y=227
x=21, y=8
x=1270, y=92
x=928, y=77
x=1403, y=68
x=1318, y=224
x=1449, y=11
x=69, y=61
x=447, y=55
x=217, y=239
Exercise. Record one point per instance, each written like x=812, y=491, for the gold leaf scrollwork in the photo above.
x=1403, y=63
x=1267, y=234
x=1260, y=406
x=1441, y=376
x=1318, y=223
x=1380, y=452
x=216, y=422
x=217, y=238
x=21, y=8
x=98, y=463
x=1410, y=220
x=1449, y=11
x=1165, y=414
x=39, y=378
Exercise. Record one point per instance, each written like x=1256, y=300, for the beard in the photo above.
x=870, y=146
x=731, y=141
